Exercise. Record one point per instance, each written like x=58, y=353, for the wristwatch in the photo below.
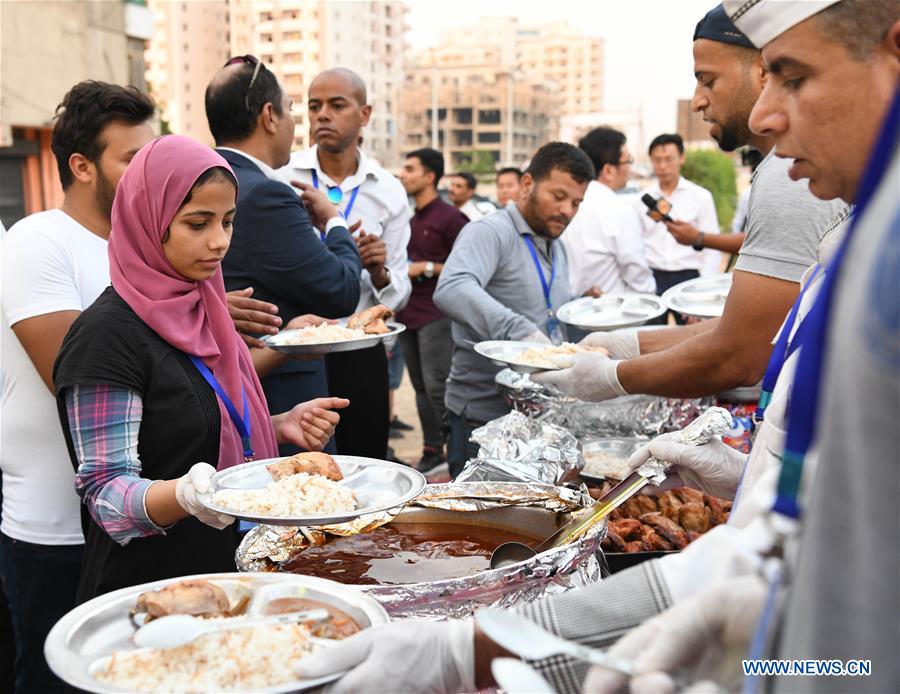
x=698, y=242
x=429, y=269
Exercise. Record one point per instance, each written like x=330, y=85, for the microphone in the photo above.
x=653, y=207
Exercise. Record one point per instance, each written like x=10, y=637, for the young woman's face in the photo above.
x=201, y=231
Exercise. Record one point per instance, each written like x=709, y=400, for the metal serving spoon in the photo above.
x=527, y=640
x=516, y=677
x=178, y=629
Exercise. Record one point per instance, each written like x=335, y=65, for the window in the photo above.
x=463, y=116
x=488, y=138
x=489, y=116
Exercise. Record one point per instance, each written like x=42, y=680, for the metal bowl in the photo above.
x=552, y=571
x=618, y=447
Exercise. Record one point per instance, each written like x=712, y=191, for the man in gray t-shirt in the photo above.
x=785, y=223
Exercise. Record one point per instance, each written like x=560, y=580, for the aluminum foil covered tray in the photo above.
x=84, y=640
x=525, y=508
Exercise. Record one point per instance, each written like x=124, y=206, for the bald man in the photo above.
x=367, y=195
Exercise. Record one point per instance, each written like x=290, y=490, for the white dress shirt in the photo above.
x=383, y=207
x=605, y=245
x=471, y=211
x=690, y=203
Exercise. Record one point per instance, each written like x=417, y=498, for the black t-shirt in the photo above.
x=110, y=345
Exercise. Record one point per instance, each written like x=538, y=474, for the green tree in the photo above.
x=478, y=161
x=715, y=172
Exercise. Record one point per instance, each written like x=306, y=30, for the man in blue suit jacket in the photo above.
x=276, y=248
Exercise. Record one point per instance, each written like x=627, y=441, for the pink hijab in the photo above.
x=191, y=316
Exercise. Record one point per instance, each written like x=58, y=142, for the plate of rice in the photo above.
x=264, y=491
x=326, y=338
x=532, y=357
x=92, y=647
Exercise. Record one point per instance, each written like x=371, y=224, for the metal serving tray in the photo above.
x=378, y=484
x=703, y=297
x=312, y=348
x=83, y=640
x=619, y=447
x=507, y=352
x=611, y=311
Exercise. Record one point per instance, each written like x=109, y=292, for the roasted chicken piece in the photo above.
x=692, y=535
x=627, y=528
x=696, y=516
x=310, y=463
x=199, y=598
x=687, y=494
x=719, y=508
x=634, y=546
x=670, y=505
x=653, y=541
x=371, y=320
x=668, y=528
x=613, y=542
x=647, y=503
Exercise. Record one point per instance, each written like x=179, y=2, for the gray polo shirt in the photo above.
x=785, y=223
x=490, y=288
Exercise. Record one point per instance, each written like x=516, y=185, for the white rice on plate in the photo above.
x=324, y=332
x=298, y=495
x=236, y=660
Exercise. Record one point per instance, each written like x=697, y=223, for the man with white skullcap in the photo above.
x=831, y=103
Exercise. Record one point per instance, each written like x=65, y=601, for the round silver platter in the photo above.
x=611, y=311
x=276, y=342
x=379, y=485
x=619, y=447
x=84, y=639
x=507, y=353
x=703, y=297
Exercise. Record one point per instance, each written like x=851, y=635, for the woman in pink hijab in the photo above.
x=154, y=383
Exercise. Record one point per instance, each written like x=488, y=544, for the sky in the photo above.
x=648, y=62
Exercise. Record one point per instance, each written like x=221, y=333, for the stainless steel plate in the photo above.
x=378, y=484
x=616, y=447
x=611, y=311
x=81, y=642
x=703, y=297
x=507, y=353
x=276, y=341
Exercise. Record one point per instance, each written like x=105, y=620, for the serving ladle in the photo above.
x=176, y=630
x=714, y=422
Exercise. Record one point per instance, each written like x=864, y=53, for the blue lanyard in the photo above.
x=783, y=349
x=347, y=210
x=242, y=424
x=545, y=285
x=807, y=381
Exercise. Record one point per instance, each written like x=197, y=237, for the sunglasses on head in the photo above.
x=247, y=60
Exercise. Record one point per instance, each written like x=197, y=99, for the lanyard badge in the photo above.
x=241, y=423
x=552, y=323
x=335, y=196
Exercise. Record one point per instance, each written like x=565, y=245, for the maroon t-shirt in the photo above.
x=434, y=228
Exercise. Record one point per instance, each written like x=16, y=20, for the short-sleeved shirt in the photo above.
x=434, y=230
x=51, y=263
x=110, y=345
x=785, y=223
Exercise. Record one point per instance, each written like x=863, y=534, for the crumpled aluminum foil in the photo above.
x=515, y=448
x=627, y=416
x=554, y=571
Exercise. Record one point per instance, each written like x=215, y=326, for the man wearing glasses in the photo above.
x=295, y=251
x=605, y=240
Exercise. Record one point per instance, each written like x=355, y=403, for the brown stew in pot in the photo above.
x=400, y=553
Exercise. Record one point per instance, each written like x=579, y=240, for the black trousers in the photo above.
x=666, y=279
x=362, y=377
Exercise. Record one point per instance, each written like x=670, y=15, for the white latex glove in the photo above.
x=537, y=336
x=704, y=637
x=714, y=467
x=592, y=377
x=409, y=656
x=196, y=481
x=621, y=344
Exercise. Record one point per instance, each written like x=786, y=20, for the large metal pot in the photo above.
x=553, y=571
